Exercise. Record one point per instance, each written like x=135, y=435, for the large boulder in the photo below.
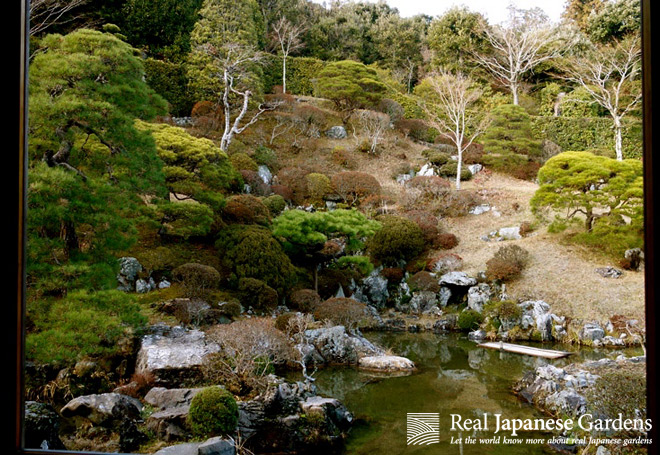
x=129, y=268
x=162, y=398
x=42, y=425
x=591, y=331
x=373, y=290
x=337, y=132
x=105, y=409
x=478, y=296
x=457, y=279
x=333, y=345
x=174, y=356
x=536, y=314
x=170, y=424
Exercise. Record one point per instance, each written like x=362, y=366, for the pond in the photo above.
x=454, y=377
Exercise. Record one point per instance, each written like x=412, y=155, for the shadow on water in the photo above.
x=454, y=377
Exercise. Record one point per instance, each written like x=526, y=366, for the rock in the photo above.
x=475, y=168
x=537, y=313
x=170, y=424
x=129, y=268
x=217, y=446
x=373, y=290
x=386, y=363
x=330, y=205
x=334, y=346
x=478, y=296
x=251, y=416
x=337, y=132
x=142, y=286
x=460, y=279
x=567, y=402
x=401, y=179
x=443, y=296
x=479, y=209
x=502, y=234
x=162, y=398
x=602, y=450
x=609, y=272
x=330, y=407
x=174, y=356
x=611, y=341
x=42, y=425
x=591, y=331
x=477, y=335
x=189, y=448
x=422, y=302
x=426, y=171
x=105, y=409
x=264, y=174
x=164, y=284
x=635, y=256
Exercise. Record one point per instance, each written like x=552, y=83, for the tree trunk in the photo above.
x=589, y=221
x=514, y=92
x=459, y=166
x=618, y=140
x=284, y=74
x=70, y=238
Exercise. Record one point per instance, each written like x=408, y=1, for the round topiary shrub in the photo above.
x=399, y=239
x=242, y=161
x=447, y=241
x=196, y=279
x=449, y=170
x=245, y=209
x=353, y=186
x=428, y=223
x=507, y=263
x=275, y=204
x=305, y=300
x=257, y=294
x=318, y=186
x=469, y=320
x=213, y=412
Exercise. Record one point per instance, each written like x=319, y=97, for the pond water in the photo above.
x=454, y=377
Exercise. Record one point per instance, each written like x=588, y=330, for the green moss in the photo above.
x=469, y=320
x=213, y=412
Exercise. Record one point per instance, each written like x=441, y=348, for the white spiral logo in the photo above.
x=423, y=428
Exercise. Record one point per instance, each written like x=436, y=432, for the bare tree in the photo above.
x=45, y=13
x=233, y=62
x=296, y=328
x=374, y=125
x=286, y=36
x=608, y=74
x=452, y=97
x=526, y=41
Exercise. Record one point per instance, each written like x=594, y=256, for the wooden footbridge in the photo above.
x=527, y=350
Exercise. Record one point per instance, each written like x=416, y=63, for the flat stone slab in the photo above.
x=386, y=363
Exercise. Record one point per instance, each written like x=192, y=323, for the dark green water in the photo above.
x=454, y=377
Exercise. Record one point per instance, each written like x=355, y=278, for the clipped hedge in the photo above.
x=589, y=133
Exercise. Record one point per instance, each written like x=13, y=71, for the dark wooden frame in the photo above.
x=11, y=404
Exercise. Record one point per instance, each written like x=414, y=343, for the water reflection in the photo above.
x=454, y=377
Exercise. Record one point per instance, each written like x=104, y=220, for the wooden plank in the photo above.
x=527, y=350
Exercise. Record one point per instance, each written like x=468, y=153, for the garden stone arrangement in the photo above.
x=248, y=236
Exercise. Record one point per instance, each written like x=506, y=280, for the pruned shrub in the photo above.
x=456, y=203
x=353, y=187
x=393, y=274
x=213, y=412
x=399, y=239
x=256, y=183
x=507, y=263
x=275, y=204
x=393, y=109
x=257, y=294
x=445, y=262
x=242, y=162
x=429, y=224
x=196, y=279
x=282, y=321
x=436, y=157
x=447, y=241
x=473, y=154
x=343, y=158
x=469, y=320
x=417, y=130
x=431, y=186
x=294, y=179
x=318, y=187
x=450, y=169
x=341, y=311
x=252, y=252
x=304, y=300
x=230, y=309
x=283, y=191
x=251, y=348
x=246, y=209
x=423, y=281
